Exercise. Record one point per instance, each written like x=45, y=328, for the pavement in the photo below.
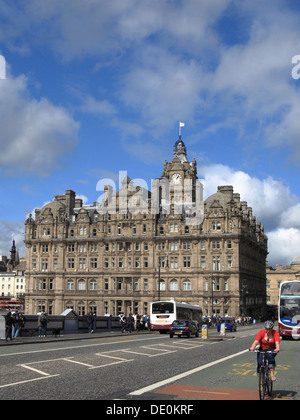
x=68, y=337
x=85, y=335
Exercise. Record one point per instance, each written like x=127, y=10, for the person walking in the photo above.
x=130, y=322
x=8, y=326
x=122, y=321
x=90, y=321
x=15, y=326
x=42, y=324
x=21, y=321
x=138, y=322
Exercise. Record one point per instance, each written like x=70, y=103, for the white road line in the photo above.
x=135, y=352
x=26, y=382
x=110, y=364
x=35, y=370
x=74, y=347
x=77, y=363
x=184, y=374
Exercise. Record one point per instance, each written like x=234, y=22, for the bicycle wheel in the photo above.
x=262, y=384
x=269, y=383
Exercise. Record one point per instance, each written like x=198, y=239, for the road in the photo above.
x=133, y=367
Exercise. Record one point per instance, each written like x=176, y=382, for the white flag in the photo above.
x=181, y=124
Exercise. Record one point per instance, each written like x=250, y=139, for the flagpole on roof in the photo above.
x=181, y=124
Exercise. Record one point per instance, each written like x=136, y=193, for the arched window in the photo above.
x=93, y=307
x=162, y=285
x=69, y=305
x=70, y=284
x=187, y=285
x=81, y=308
x=174, y=285
x=81, y=284
x=93, y=284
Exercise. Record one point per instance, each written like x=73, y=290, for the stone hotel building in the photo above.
x=137, y=246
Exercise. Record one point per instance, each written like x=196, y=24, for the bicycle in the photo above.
x=265, y=383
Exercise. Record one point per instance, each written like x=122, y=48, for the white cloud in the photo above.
x=34, y=133
x=284, y=246
x=12, y=230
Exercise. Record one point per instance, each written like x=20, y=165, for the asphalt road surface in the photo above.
x=153, y=367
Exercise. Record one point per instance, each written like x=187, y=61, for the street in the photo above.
x=148, y=367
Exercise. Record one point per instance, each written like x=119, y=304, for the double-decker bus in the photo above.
x=289, y=309
x=163, y=313
x=11, y=305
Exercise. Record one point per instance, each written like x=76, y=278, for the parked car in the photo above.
x=229, y=324
x=184, y=328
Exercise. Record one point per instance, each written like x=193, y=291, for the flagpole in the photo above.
x=181, y=124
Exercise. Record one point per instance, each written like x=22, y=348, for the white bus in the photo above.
x=289, y=309
x=163, y=313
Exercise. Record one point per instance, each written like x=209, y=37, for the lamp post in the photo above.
x=159, y=277
x=212, y=296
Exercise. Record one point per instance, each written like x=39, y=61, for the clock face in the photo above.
x=176, y=178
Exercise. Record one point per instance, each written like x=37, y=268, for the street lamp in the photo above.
x=212, y=296
x=166, y=265
x=159, y=277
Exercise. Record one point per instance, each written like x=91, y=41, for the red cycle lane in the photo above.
x=236, y=379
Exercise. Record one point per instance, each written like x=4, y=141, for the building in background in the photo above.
x=277, y=275
x=138, y=246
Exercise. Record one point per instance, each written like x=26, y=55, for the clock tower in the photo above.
x=180, y=168
x=181, y=176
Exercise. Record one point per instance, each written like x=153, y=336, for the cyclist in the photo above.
x=267, y=339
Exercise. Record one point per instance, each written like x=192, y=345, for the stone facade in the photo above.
x=277, y=275
x=138, y=246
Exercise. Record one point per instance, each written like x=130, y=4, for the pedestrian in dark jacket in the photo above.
x=8, y=325
x=42, y=324
x=90, y=321
x=130, y=322
x=21, y=321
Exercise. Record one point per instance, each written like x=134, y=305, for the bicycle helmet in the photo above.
x=269, y=324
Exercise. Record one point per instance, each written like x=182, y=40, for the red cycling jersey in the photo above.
x=270, y=343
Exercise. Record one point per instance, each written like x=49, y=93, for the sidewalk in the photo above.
x=85, y=335
x=69, y=337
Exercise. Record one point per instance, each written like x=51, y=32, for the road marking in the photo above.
x=76, y=362
x=26, y=382
x=74, y=347
x=35, y=370
x=156, y=385
x=206, y=392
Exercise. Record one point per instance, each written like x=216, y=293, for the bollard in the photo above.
x=222, y=329
x=2, y=327
x=204, y=331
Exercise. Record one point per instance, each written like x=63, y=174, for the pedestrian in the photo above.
x=90, y=321
x=8, y=326
x=122, y=321
x=130, y=322
x=146, y=320
x=21, y=324
x=138, y=322
x=42, y=324
x=15, y=326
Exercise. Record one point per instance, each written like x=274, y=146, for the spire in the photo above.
x=180, y=150
x=13, y=251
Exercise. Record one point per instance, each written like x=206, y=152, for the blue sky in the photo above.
x=94, y=87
